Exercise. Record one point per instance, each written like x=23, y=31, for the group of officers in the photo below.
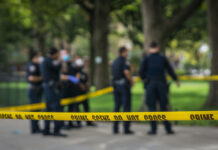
x=57, y=76
x=61, y=77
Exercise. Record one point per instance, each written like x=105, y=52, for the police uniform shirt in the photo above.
x=154, y=66
x=50, y=69
x=71, y=70
x=83, y=77
x=118, y=67
x=33, y=70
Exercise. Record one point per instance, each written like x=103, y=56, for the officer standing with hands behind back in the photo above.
x=122, y=83
x=152, y=71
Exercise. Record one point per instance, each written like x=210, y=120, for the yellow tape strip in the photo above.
x=208, y=78
x=67, y=101
x=64, y=102
x=120, y=116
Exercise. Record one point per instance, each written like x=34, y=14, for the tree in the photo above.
x=43, y=16
x=88, y=6
x=156, y=27
x=100, y=37
x=98, y=12
x=212, y=7
x=130, y=16
x=12, y=30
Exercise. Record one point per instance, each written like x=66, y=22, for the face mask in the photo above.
x=79, y=63
x=40, y=59
x=65, y=57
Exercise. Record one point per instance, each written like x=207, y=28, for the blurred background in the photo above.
x=95, y=29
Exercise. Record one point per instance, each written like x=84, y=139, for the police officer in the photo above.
x=69, y=89
x=83, y=86
x=50, y=69
x=152, y=71
x=35, y=90
x=122, y=82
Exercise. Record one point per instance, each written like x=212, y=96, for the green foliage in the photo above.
x=81, y=45
x=130, y=16
x=40, y=24
x=36, y=24
x=193, y=29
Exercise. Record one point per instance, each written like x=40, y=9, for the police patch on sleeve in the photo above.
x=55, y=62
x=32, y=68
x=127, y=63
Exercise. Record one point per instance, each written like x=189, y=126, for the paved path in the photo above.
x=14, y=135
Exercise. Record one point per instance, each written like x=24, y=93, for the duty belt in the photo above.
x=120, y=82
x=32, y=86
x=157, y=79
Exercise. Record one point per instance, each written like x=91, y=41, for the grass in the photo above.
x=189, y=97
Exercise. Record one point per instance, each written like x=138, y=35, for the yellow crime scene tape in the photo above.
x=107, y=116
x=206, y=78
x=67, y=101
x=64, y=102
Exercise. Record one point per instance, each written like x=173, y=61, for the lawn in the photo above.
x=190, y=96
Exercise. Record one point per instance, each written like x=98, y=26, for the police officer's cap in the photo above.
x=153, y=44
x=52, y=51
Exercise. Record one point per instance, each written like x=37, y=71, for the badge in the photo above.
x=32, y=68
x=55, y=62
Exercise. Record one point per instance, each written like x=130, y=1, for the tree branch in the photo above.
x=84, y=5
x=183, y=15
x=118, y=4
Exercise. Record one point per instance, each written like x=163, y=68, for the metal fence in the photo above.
x=13, y=89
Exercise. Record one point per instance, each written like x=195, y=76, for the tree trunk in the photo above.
x=153, y=23
x=100, y=37
x=40, y=23
x=40, y=37
x=212, y=7
x=92, y=50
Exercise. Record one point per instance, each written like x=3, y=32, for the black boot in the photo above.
x=92, y=124
x=128, y=132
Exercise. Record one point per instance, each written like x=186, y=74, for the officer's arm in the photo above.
x=170, y=70
x=32, y=78
x=143, y=68
x=127, y=74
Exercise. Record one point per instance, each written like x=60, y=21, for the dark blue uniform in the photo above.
x=84, y=82
x=122, y=87
x=152, y=71
x=34, y=91
x=50, y=70
x=69, y=89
